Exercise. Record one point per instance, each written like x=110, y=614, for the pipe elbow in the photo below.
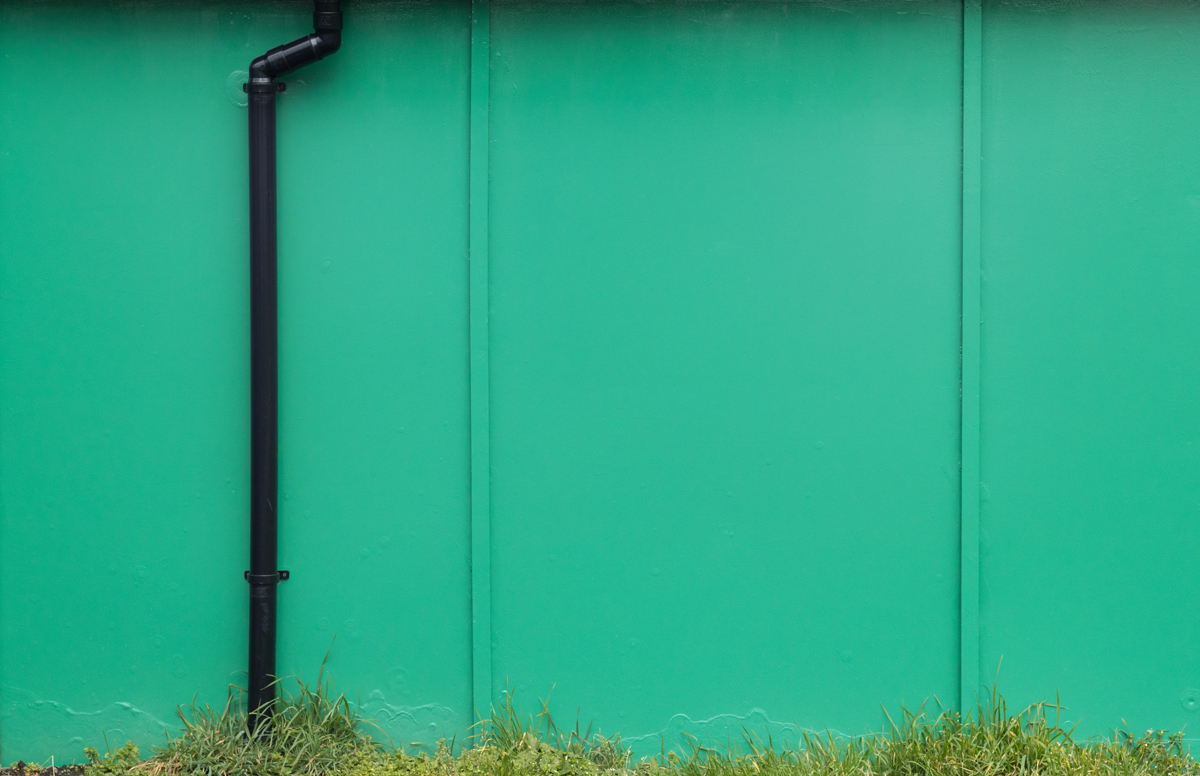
x=327, y=26
x=260, y=70
x=327, y=42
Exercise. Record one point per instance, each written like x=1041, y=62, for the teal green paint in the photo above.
x=122, y=371
x=969, y=434
x=481, y=538
x=621, y=356
x=374, y=374
x=123, y=366
x=725, y=281
x=1091, y=450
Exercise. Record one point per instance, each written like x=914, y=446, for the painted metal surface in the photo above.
x=124, y=329
x=1091, y=450
x=698, y=364
x=481, y=466
x=725, y=329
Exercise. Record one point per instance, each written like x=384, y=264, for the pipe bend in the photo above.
x=259, y=71
x=328, y=42
x=325, y=40
x=285, y=59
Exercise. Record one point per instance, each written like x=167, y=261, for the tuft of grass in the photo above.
x=509, y=743
x=508, y=730
x=315, y=733
x=991, y=741
x=311, y=733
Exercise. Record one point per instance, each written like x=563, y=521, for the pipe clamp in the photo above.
x=267, y=579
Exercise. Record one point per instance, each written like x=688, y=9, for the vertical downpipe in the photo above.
x=264, y=574
x=264, y=400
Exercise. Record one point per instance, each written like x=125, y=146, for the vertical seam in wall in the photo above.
x=972, y=108
x=481, y=532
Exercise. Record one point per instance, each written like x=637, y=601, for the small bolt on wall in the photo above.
x=264, y=574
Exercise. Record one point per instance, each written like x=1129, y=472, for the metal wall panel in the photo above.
x=124, y=366
x=725, y=373
x=621, y=358
x=1090, y=435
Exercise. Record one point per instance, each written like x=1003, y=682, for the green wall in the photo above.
x=724, y=426
x=125, y=366
x=1090, y=422
x=635, y=354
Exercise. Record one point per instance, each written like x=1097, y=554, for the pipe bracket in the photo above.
x=267, y=579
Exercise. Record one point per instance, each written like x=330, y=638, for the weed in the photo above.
x=310, y=733
x=314, y=733
x=111, y=763
x=508, y=730
x=990, y=741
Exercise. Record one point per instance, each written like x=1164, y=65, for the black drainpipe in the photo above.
x=264, y=573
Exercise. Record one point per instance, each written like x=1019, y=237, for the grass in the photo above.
x=311, y=733
x=989, y=741
x=315, y=733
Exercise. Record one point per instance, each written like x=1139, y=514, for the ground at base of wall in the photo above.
x=312, y=734
x=21, y=769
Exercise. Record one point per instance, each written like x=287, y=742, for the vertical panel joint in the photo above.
x=481, y=565
x=972, y=108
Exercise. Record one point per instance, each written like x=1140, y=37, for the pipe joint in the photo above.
x=327, y=15
x=329, y=40
x=290, y=57
x=327, y=21
x=325, y=40
x=263, y=86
